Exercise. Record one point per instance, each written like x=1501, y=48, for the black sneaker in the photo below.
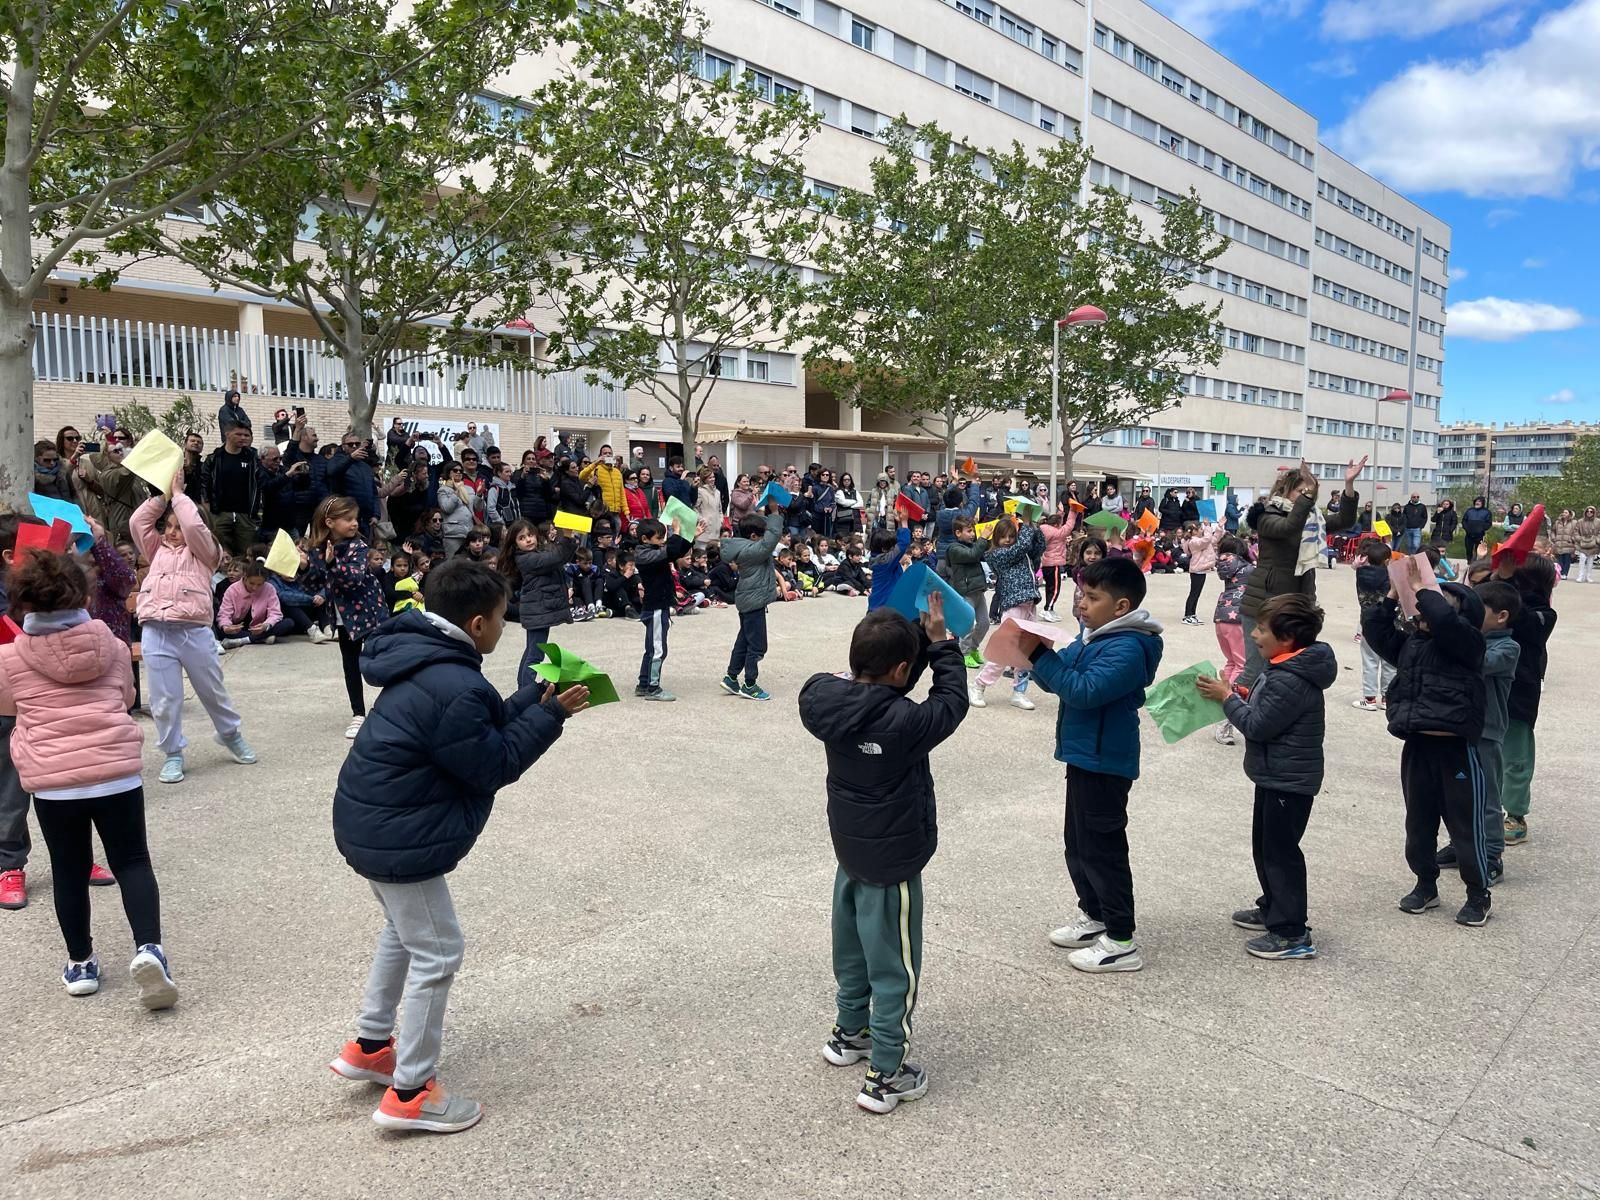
x=1417, y=902
x=1251, y=919
x=1474, y=913
x=842, y=1049
x=1497, y=872
x=1271, y=945
x=1446, y=856
x=880, y=1093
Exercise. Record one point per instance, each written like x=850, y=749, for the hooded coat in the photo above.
x=881, y=811
x=1285, y=720
x=419, y=782
x=1101, y=678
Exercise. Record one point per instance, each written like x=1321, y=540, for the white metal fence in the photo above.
x=103, y=351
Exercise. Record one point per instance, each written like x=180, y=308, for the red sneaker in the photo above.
x=355, y=1063
x=13, y=889
x=100, y=877
x=430, y=1111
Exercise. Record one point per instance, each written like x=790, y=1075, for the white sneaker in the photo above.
x=1365, y=704
x=975, y=698
x=1104, y=955
x=1080, y=931
x=1223, y=735
x=317, y=636
x=354, y=727
x=1049, y=614
x=1020, y=700
x=234, y=643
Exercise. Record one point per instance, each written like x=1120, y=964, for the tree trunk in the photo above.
x=362, y=403
x=688, y=427
x=1066, y=450
x=16, y=263
x=16, y=406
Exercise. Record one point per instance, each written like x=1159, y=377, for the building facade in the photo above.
x=1332, y=289
x=1492, y=460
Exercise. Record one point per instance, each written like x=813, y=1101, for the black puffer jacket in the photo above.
x=1439, y=686
x=1532, y=629
x=542, y=600
x=419, y=782
x=965, y=569
x=1285, y=720
x=881, y=809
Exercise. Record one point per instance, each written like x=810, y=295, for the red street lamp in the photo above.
x=1395, y=396
x=1085, y=316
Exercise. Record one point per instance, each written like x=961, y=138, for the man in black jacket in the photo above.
x=1437, y=704
x=1283, y=722
x=882, y=817
x=1416, y=518
x=413, y=795
x=233, y=479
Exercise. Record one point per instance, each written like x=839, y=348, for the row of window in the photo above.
x=1382, y=474
x=1260, y=293
x=1329, y=427
x=1024, y=33
x=1348, y=295
x=1359, y=208
x=1187, y=148
x=1329, y=382
x=1196, y=439
x=1178, y=82
x=1249, y=235
x=1428, y=326
x=1240, y=393
x=1254, y=343
x=875, y=39
x=1361, y=345
x=754, y=365
x=1360, y=254
x=1425, y=363
x=1436, y=290
x=1434, y=250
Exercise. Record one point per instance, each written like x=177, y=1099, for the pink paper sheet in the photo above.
x=1012, y=642
x=1401, y=578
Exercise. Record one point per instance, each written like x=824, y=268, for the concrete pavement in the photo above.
x=647, y=981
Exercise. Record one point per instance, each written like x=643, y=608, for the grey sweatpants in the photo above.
x=973, y=638
x=419, y=952
x=14, y=840
x=172, y=650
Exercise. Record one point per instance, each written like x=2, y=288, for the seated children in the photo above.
x=250, y=613
x=1100, y=679
x=724, y=576
x=414, y=792
x=849, y=578
x=1372, y=588
x=788, y=584
x=882, y=818
x=619, y=589
x=1436, y=705
x=583, y=578
x=749, y=559
x=695, y=578
x=657, y=552
x=807, y=572
x=1284, y=722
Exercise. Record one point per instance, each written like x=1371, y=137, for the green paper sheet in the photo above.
x=564, y=669
x=1177, y=709
x=1107, y=520
x=683, y=519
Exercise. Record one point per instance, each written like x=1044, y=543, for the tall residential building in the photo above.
x=1332, y=290
x=1494, y=460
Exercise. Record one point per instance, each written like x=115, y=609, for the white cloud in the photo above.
x=1358, y=20
x=1517, y=122
x=1495, y=320
x=1564, y=396
x=1456, y=274
x=1534, y=264
x=1496, y=217
x=1337, y=66
x=1205, y=18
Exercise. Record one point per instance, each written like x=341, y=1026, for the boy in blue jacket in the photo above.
x=1100, y=679
x=412, y=798
x=891, y=556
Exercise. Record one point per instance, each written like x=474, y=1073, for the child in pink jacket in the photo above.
x=1201, y=544
x=175, y=626
x=251, y=612
x=65, y=674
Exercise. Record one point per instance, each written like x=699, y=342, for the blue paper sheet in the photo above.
x=48, y=509
x=773, y=492
x=910, y=599
x=1208, y=509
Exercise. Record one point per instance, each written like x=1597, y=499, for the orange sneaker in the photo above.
x=430, y=1110
x=355, y=1063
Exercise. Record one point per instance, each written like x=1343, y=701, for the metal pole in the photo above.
x=1055, y=403
x=1377, y=410
x=1411, y=366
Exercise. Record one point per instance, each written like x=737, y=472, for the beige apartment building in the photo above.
x=1332, y=291
x=1492, y=459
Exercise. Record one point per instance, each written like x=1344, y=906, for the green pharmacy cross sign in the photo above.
x=1219, y=481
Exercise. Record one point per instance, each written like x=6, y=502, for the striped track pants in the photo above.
x=877, y=962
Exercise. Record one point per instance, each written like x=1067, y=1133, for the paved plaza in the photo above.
x=647, y=980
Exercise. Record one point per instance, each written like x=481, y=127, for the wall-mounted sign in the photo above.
x=1019, y=441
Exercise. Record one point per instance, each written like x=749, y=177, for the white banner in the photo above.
x=446, y=431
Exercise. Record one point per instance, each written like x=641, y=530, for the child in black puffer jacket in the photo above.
x=1436, y=705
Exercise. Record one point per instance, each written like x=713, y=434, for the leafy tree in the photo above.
x=688, y=206
x=404, y=228
x=1577, y=487
x=922, y=314
x=180, y=418
x=1127, y=370
x=117, y=112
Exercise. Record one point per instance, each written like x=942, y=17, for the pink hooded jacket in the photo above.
x=1203, y=551
x=70, y=692
x=178, y=587
x=239, y=607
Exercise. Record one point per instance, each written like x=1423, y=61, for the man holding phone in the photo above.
x=350, y=474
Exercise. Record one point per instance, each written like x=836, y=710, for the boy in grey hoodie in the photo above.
x=751, y=555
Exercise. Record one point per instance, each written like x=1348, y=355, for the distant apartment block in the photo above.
x=1490, y=458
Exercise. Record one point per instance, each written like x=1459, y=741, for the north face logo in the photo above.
x=1461, y=774
x=870, y=748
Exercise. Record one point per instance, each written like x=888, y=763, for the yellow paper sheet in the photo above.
x=986, y=530
x=1010, y=506
x=575, y=521
x=1381, y=528
x=284, y=558
x=155, y=460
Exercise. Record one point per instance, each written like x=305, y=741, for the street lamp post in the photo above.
x=1156, y=442
x=1082, y=317
x=1397, y=396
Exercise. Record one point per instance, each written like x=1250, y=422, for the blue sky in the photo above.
x=1486, y=113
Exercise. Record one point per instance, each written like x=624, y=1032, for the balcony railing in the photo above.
x=102, y=351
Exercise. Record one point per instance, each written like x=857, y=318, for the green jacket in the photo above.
x=965, y=571
x=758, y=582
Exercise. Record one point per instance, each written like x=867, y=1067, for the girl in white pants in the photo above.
x=175, y=622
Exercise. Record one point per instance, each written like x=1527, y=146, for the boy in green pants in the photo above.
x=884, y=827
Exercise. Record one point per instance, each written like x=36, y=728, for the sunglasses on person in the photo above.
x=71, y=437
x=351, y=445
